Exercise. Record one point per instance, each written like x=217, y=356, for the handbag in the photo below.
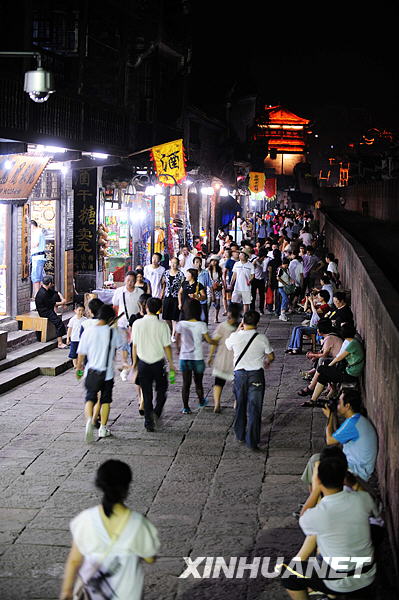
x=96, y=587
x=245, y=349
x=289, y=289
x=95, y=378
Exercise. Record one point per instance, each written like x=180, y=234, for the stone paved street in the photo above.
x=207, y=494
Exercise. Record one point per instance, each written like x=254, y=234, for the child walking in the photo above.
x=74, y=330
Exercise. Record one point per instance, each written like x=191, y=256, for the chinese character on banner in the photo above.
x=169, y=159
x=271, y=187
x=256, y=182
x=87, y=215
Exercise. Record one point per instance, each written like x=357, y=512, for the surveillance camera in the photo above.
x=39, y=85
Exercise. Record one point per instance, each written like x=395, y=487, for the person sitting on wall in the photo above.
x=356, y=434
x=46, y=300
x=346, y=367
x=337, y=527
x=319, y=305
x=341, y=313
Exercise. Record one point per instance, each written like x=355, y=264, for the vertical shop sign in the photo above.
x=25, y=255
x=49, y=265
x=84, y=221
x=256, y=182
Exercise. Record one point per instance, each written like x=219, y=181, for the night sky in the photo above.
x=302, y=59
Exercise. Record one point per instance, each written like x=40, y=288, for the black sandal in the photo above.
x=305, y=392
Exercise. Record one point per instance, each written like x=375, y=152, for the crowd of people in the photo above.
x=283, y=270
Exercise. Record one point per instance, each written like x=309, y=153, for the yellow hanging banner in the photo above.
x=169, y=162
x=256, y=182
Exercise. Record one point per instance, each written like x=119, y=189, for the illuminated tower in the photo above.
x=285, y=134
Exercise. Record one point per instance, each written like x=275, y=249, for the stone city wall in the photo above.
x=375, y=307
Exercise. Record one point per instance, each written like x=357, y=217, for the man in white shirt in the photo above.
x=126, y=300
x=259, y=280
x=151, y=341
x=306, y=237
x=98, y=345
x=340, y=529
x=154, y=273
x=332, y=267
x=186, y=259
x=249, y=378
x=243, y=273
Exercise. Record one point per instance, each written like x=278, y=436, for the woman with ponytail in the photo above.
x=108, y=542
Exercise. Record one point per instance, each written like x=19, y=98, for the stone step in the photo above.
x=8, y=324
x=25, y=353
x=17, y=339
x=52, y=363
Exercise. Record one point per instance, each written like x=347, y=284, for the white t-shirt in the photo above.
x=132, y=304
x=330, y=289
x=154, y=276
x=296, y=270
x=332, y=268
x=38, y=244
x=138, y=539
x=89, y=323
x=344, y=346
x=254, y=356
x=76, y=324
x=284, y=276
x=306, y=238
x=151, y=336
x=191, y=339
x=243, y=273
x=259, y=269
x=341, y=524
x=188, y=262
x=94, y=344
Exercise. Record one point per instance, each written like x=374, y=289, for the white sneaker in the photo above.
x=305, y=323
x=124, y=373
x=89, y=431
x=283, y=317
x=103, y=432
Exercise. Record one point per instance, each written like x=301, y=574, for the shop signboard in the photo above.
x=44, y=213
x=256, y=182
x=49, y=265
x=19, y=174
x=169, y=162
x=85, y=231
x=25, y=242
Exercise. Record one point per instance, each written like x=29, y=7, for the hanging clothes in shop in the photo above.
x=159, y=240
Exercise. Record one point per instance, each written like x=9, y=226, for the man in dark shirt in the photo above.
x=341, y=313
x=46, y=299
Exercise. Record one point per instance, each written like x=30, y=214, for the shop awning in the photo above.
x=19, y=174
x=229, y=208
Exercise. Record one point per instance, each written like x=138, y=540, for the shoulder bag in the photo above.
x=124, y=303
x=95, y=378
x=245, y=349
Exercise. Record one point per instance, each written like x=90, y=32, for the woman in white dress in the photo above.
x=223, y=367
x=109, y=541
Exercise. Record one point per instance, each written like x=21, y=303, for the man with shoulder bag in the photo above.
x=98, y=345
x=252, y=352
